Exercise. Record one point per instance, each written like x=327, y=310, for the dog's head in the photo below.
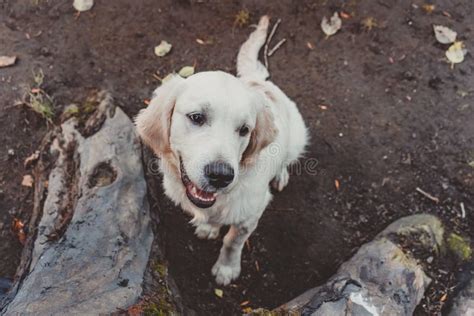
x=212, y=124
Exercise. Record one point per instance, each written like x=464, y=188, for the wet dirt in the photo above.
x=385, y=111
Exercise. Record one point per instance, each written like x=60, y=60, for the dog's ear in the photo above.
x=265, y=129
x=153, y=123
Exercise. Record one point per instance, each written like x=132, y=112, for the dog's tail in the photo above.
x=248, y=64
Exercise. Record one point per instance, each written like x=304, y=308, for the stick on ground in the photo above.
x=429, y=196
x=269, y=39
x=275, y=48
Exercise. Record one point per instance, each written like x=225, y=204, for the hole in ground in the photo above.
x=102, y=175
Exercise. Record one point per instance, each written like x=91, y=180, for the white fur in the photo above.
x=229, y=101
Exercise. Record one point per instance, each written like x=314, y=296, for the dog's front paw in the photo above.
x=225, y=273
x=281, y=181
x=206, y=231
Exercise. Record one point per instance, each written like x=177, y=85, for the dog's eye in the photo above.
x=244, y=130
x=197, y=118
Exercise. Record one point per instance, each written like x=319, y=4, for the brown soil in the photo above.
x=397, y=117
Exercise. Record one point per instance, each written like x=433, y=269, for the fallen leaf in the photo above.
x=244, y=303
x=444, y=34
x=135, y=310
x=31, y=158
x=204, y=42
x=429, y=8
x=163, y=49
x=27, y=181
x=447, y=14
x=219, y=293
x=17, y=224
x=6, y=61
x=18, y=228
x=337, y=184
x=331, y=26
x=83, y=5
x=456, y=53
x=247, y=310
x=444, y=297
x=345, y=15
x=186, y=71
x=369, y=23
x=242, y=18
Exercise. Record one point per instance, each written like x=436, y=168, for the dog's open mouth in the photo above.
x=199, y=197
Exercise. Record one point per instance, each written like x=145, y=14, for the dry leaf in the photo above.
x=257, y=266
x=219, y=293
x=369, y=23
x=163, y=49
x=345, y=15
x=429, y=8
x=330, y=27
x=447, y=14
x=27, y=181
x=247, y=310
x=444, y=34
x=31, y=159
x=456, y=53
x=444, y=297
x=186, y=71
x=18, y=228
x=6, y=61
x=83, y=5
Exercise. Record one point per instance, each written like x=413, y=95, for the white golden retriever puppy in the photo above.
x=222, y=140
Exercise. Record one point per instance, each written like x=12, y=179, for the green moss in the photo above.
x=161, y=269
x=263, y=312
x=161, y=303
x=157, y=309
x=89, y=106
x=460, y=246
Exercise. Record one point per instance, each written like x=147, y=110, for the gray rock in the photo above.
x=94, y=236
x=380, y=279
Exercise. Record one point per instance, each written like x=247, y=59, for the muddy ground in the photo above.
x=386, y=114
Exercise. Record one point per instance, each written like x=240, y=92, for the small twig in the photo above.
x=463, y=210
x=429, y=196
x=269, y=39
x=274, y=49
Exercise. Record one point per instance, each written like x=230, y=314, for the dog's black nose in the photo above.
x=219, y=174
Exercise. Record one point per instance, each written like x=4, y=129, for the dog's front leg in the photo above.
x=227, y=267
